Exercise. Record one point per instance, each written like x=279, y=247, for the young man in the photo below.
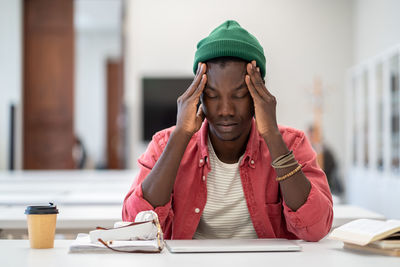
x=236, y=173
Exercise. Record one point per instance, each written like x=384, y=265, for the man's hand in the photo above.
x=296, y=189
x=264, y=101
x=189, y=118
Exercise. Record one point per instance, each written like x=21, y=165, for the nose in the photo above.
x=226, y=107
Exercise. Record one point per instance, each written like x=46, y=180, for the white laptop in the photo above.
x=231, y=245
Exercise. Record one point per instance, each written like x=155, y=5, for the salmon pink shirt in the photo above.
x=271, y=217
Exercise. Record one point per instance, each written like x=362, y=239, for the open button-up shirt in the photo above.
x=270, y=216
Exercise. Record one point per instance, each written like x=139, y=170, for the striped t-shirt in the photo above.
x=225, y=214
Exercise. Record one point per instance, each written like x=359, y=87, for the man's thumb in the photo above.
x=200, y=113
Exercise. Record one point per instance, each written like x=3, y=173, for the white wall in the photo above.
x=10, y=69
x=92, y=49
x=301, y=39
x=376, y=28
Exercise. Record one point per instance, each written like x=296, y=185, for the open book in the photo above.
x=143, y=235
x=83, y=244
x=370, y=235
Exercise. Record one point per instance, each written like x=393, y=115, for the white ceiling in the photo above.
x=98, y=15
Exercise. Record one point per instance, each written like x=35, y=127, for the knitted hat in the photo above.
x=229, y=39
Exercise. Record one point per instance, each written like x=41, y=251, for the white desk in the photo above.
x=89, y=216
x=15, y=253
x=87, y=199
x=73, y=219
x=69, y=217
x=65, y=187
x=346, y=213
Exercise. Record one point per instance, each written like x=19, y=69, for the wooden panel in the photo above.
x=48, y=84
x=115, y=116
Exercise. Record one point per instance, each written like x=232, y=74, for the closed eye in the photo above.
x=210, y=94
x=241, y=94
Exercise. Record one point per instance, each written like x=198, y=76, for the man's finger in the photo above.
x=199, y=111
x=200, y=114
x=266, y=89
x=253, y=92
x=258, y=83
x=256, y=79
x=250, y=73
x=201, y=86
x=197, y=79
x=198, y=68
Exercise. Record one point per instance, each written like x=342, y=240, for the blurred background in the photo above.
x=84, y=84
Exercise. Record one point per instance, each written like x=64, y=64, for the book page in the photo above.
x=389, y=252
x=391, y=242
x=363, y=231
x=82, y=244
x=142, y=231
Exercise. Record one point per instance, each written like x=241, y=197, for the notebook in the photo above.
x=231, y=245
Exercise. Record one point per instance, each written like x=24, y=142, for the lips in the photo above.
x=226, y=126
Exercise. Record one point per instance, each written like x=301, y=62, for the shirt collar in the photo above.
x=250, y=155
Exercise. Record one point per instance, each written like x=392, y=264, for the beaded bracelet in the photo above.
x=288, y=174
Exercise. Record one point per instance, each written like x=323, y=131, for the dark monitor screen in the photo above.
x=159, y=103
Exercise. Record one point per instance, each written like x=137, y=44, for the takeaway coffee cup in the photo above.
x=42, y=225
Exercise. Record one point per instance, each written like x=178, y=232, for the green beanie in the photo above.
x=229, y=39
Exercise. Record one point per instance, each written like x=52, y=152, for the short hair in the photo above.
x=222, y=61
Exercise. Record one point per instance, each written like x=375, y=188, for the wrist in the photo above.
x=276, y=145
x=182, y=134
x=271, y=135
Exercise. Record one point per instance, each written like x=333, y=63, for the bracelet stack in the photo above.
x=286, y=161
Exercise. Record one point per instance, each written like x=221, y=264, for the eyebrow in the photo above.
x=237, y=88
